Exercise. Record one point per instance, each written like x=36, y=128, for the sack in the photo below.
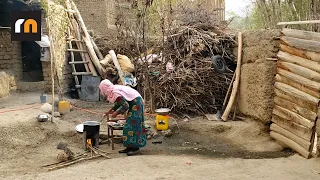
x=125, y=63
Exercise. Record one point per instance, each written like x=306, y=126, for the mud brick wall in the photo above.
x=256, y=91
x=10, y=54
x=95, y=14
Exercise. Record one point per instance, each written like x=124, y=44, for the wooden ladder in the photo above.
x=74, y=35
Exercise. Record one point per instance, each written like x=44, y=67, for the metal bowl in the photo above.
x=43, y=117
x=163, y=110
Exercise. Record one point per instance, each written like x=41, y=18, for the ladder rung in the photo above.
x=78, y=86
x=81, y=73
x=76, y=40
x=76, y=50
x=79, y=62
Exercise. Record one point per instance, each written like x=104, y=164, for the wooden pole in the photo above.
x=299, y=61
x=293, y=127
x=294, y=117
x=229, y=89
x=301, y=53
x=52, y=64
x=302, y=142
x=302, y=103
x=237, y=81
x=117, y=65
x=304, y=112
x=293, y=77
x=301, y=87
x=299, y=70
x=290, y=143
x=297, y=93
x=300, y=34
x=307, y=45
x=96, y=49
x=298, y=22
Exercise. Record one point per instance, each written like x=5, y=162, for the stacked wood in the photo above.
x=297, y=90
x=193, y=86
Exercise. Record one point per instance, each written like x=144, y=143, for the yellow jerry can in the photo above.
x=63, y=107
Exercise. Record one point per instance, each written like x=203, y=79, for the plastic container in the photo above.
x=162, y=122
x=162, y=119
x=43, y=98
x=63, y=107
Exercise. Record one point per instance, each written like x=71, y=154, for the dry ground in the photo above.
x=199, y=149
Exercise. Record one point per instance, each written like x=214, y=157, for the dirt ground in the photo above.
x=198, y=149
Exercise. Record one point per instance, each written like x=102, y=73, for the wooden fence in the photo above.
x=297, y=90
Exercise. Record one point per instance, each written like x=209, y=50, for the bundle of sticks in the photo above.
x=193, y=86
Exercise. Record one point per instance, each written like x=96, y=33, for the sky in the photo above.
x=237, y=6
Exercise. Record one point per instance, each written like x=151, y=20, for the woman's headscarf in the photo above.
x=114, y=91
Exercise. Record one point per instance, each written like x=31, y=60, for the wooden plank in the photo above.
x=297, y=93
x=299, y=61
x=302, y=142
x=306, y=113
x=297, y=85
x=307, y=45
x=287, y=114
x=96, y=49
x=76, y=50
x=290, y=143
x=236, y=81
x=300, y=34
x=81, y=73
x=117, y=65
x=293, y=127
x=315, y=86
x=300, y=102
x=299, y=70
x=301, y=53
x=79, y=62
x=298, y=22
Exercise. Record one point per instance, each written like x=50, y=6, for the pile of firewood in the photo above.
x=192, y=86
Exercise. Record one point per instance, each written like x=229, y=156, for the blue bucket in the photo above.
x=43, y=98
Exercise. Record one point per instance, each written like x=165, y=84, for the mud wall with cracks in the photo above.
x=255, y=97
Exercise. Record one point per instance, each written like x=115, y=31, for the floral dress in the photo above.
x=134, y=132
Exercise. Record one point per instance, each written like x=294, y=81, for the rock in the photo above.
x=56, y=114
x=46, y=108
x=62, y=157
x=185, y=120
x=4, y=85
x=155, y=135
x=167, y=133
